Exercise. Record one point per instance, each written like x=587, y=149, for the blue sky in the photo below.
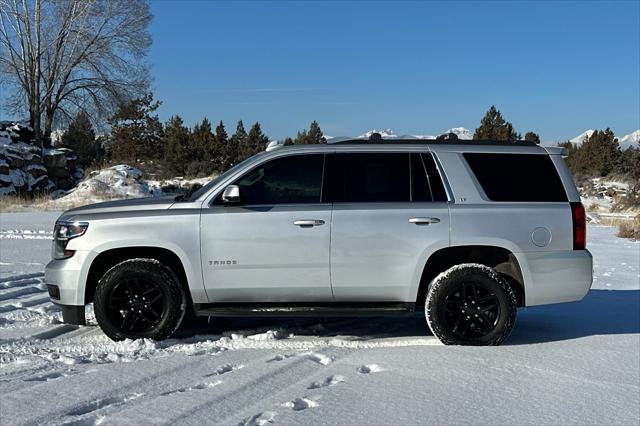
x=557, y=68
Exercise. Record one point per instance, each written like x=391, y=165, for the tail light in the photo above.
x=579, y=219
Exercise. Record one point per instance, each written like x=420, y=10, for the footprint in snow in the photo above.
x=46, y=377
x=280, y=357
x=103, y=403
x=370, y=368
x=199, y=386
x=320, y=358
x=300, y=404
x=329, y=381
x=260, y=419
x=223, y=369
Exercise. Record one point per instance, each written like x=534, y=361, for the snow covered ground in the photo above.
x=564, y=364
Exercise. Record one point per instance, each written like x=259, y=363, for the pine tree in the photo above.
x=315, y=133
x=176, y=146
x=256, y=142
x=287, y=141
x=236, y=142
x=135, y=132
x=301, y=138
x=532, y=137
x=81, y=138
x=600, y=153
x=202, y=150
x=312, y=136
x=222, y=144
x=494, y=127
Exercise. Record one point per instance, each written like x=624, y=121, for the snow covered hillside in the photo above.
x=567, y=363
x=626, y=141
x=632, y=139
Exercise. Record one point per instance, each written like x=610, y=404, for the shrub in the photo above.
x=630, y=229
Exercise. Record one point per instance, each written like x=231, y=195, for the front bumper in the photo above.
x=66, y=280
x=556, y=276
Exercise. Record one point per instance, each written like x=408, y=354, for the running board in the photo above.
x=303, y=310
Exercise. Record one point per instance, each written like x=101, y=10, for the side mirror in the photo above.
x=231, y=194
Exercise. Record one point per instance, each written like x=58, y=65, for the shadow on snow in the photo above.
x=602, y=312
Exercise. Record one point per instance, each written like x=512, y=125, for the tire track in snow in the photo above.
x=78, y=411
x=17, y=280
x=265, y=385
x=25, y=234
x=22, y=291
x=90, y=413
x=26, y=303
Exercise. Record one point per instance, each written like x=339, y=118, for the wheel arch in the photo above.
x=498, y=258
x=111, y=257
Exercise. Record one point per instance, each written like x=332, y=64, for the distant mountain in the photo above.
x=386, y=134
x=461, y=132
x=632, y=139
x=627, y=141
x=582, y=137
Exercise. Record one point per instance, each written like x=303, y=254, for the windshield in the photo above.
x=200, y=192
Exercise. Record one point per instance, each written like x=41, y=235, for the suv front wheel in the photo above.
x=471, y=304
x=139, y=298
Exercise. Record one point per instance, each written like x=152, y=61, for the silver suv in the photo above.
x=466, y=232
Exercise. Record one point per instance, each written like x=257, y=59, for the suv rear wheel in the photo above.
x=139, y=298
x=471, y=304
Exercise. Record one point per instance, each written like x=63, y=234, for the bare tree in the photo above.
x=65, y=56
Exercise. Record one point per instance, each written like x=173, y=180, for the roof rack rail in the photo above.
x=451, y=141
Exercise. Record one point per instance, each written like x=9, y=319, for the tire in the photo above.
x=471, y=304
x=145, y=286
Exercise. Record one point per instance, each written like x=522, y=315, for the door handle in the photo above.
x=308, y=223
x=424, y=220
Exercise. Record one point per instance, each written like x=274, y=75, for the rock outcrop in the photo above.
x=27, y=169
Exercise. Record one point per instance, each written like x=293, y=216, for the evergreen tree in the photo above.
x=255, y=142
x=135, y=132
x=315, y=133
x=287, y=141
x=494, y=127
x=301, y=138
x=629, y=164
x=532, y=137
x=176, y=146
x=222, y=144
x=600, y=152
x=312, y=136
x=236, y=142
x=81, y=138
x=203, y=150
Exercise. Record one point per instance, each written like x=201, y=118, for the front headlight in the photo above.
x=62, y=233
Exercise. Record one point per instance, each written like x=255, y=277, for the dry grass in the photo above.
x=44, y=202
x=630, y=229
x=16, y=203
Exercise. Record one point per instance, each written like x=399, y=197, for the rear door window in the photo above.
x=371, y=177
x=517, y=177
x=382, y=177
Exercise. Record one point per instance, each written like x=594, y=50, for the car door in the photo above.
x=390, y=213
x=273, y=246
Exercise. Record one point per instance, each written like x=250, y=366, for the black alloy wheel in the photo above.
x=471, y=310
x=136, y=305
x=139, y=298
x=471, y=304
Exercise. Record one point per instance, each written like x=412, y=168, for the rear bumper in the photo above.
x=556, y=276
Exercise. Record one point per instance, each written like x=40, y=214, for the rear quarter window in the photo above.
x=517, y=177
